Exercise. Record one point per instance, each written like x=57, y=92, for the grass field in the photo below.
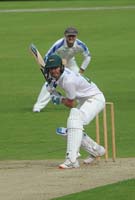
x=122, y=190
x=109, y=34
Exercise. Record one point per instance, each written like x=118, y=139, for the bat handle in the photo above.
x=43, y=72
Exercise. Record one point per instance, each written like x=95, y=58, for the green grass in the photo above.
x=60, y=3
x=109, y=35
x=123, y=190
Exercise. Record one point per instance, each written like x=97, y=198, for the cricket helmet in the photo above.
x=53, y=61
x=71, y=31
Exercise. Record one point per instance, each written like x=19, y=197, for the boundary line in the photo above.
x=67, y=9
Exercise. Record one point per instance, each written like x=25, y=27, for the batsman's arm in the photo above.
x=68, y=102
x=57, y=99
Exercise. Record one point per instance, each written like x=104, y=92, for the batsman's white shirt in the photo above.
x=89, y=97
x=76, y=86
x=68, y=53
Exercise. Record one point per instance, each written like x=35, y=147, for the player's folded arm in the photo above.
x=69, y=102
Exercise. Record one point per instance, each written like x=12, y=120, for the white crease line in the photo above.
x=66, y=9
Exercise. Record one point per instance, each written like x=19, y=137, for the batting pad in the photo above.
x=90, y=145
x=74, y=139
x=74, y=134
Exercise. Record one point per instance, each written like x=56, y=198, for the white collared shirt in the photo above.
x=76, y=86
x=68, y=53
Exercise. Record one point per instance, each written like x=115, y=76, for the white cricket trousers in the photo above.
x=91, y=107
x=44, y=96
x=78, y=117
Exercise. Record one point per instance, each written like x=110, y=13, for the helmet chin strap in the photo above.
x=62, y=69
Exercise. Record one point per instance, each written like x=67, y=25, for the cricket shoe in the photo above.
x=91, y=159
x=36, y=110
x=69, y=165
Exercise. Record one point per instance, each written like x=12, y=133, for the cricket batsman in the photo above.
x=67, y=48
x=90, y=101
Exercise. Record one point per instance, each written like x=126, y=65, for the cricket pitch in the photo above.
x=43, y=180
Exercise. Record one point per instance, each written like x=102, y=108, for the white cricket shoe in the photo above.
x=68, y=164
x=36, y=110
x=91, y=159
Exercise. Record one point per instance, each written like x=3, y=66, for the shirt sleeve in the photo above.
x=54, y=48
x=85, y=53
x=85, y=62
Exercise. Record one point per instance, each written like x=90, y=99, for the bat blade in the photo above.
x=33, y=49
x=37, y=55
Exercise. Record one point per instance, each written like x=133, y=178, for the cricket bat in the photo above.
x=38, y=57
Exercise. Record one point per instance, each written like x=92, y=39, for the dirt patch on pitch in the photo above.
x=42, y=180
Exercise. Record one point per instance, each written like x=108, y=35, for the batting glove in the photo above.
x=56, y=98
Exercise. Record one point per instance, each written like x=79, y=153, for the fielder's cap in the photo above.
x=71, y=31
x=53, y=61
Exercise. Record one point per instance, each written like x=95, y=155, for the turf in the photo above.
x=109, y=34
x=60, y=3
x=123, y=190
